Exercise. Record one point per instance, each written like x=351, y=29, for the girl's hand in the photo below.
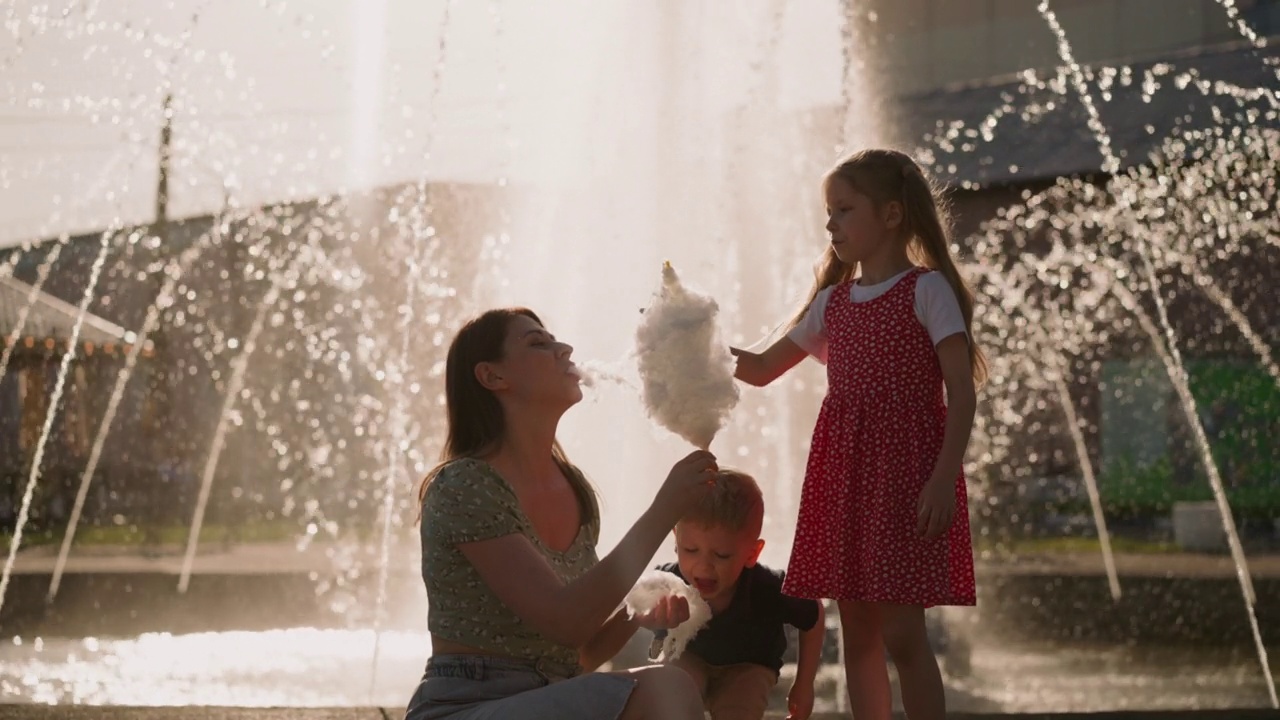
x=937, y=507
x=762, y=368
x=689, y=479
x=668, y=613
x=800, y=701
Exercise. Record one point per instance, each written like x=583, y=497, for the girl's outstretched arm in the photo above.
x=760, y=369
x=937, y=501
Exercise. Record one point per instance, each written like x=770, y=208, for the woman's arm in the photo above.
x=571, y=614
x=760, y=369
x=608, y=641
x=668, y=613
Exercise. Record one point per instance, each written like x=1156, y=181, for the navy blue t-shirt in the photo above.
x=750, y=629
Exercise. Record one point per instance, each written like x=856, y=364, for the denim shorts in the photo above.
x=482, y=687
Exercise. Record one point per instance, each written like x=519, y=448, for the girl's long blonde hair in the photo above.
x=890, y=176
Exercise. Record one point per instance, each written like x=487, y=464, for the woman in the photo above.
x=519, y=604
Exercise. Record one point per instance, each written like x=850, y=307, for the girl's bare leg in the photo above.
x=865, y=672
x=904, y=633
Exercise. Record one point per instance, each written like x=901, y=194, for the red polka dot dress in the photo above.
x=877, y=438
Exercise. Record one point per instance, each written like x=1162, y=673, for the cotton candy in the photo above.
x=686, y=372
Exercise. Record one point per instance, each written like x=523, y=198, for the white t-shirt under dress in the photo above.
x=935, y=303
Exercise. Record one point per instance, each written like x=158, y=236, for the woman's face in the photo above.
x=535, y=367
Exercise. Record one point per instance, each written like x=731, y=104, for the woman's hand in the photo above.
x=937, y=506
x=689, y=479
x=668, y=613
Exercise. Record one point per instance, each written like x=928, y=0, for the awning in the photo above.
x=49, y=322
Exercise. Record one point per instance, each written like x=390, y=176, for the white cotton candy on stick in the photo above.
x=651, y=588
x=686, y=371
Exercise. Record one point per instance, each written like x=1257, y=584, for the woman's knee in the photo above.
x=663, y=691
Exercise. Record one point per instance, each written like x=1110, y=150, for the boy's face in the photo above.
x=712, y=558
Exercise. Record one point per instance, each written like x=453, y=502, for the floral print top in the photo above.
x=469, y=501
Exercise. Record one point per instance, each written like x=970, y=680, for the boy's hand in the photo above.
x=668, y=613
x=800, y=701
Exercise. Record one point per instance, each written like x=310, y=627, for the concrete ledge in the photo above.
x=1168, y=598
x=1198, y=527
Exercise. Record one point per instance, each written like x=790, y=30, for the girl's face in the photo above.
x=858, y=228
x=535, y=367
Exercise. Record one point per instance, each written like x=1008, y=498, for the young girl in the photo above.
x=883, y=526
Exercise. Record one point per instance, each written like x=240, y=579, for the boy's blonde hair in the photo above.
x=735, y=502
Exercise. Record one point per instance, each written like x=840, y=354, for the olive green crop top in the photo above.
x=469, y=501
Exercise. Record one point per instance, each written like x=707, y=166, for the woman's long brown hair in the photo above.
x=477, y=425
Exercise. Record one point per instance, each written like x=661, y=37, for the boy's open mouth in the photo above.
x=706, y=587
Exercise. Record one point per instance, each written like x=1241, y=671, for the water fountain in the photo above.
x=309, y=320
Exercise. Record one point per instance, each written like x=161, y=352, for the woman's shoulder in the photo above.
x=467, y=501
x=462, y=468
x=471, y=477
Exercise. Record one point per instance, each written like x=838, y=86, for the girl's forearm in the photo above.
x=750, y=369
x=760, y=369
x=955, y=438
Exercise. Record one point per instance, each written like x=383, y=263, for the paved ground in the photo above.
x=287, y=560
x=37, y=712
x=290, y=557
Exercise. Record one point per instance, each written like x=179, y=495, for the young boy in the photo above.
x=736, y=657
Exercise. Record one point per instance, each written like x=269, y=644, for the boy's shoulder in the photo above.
x=765, y=578
x=766, y=583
